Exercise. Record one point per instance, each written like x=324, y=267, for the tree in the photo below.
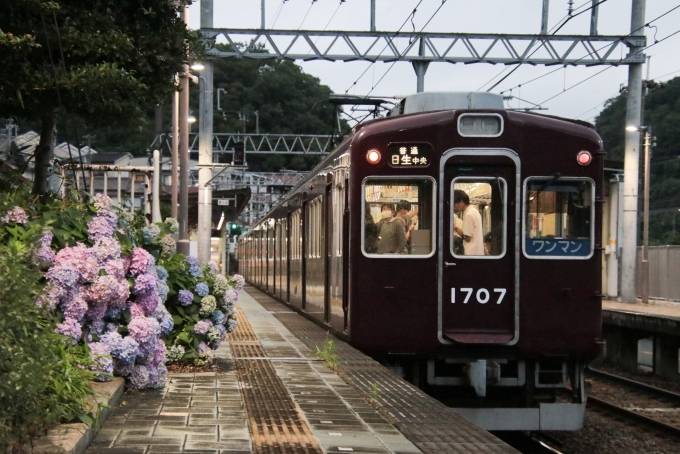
x=106, y=61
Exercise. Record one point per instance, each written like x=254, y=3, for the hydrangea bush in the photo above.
x=110, y=299
x=202, y=304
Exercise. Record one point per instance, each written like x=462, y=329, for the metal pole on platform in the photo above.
x=183, y=246
x=156, y=194
x=205, y=130
x=644, y=291
x=631, y=164
x=174, y=171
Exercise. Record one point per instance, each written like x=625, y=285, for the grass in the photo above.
x=328, y=355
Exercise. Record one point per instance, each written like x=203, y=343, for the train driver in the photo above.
x=473, y=236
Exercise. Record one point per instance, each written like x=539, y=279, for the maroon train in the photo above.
x=497, y=333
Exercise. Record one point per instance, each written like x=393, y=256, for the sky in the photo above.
x=584, y=101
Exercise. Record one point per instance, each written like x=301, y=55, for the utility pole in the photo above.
x=644, y=291
x=183, y=246
x=173, y=153
x=205, y=132
x=631, y=165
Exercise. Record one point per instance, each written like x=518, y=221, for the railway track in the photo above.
x=530, y=442
x=650, y=406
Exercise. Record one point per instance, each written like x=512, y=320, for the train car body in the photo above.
x=501, y=334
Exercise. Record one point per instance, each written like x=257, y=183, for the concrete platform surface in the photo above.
x=666, y=310
x=270, y=394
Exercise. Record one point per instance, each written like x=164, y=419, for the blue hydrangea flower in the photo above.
x=162, y=272
x=192, y=261
x=202, y=289
x=195, y=271
x=218, y=318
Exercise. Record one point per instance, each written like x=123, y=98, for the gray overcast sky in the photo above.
x=479, y=16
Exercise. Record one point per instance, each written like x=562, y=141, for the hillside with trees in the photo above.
x=662, y=113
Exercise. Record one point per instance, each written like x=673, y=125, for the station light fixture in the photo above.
x=191, y=119
x=197, y=66
x=373, y=156
x=584, y=158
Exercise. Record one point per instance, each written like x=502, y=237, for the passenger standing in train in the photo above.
x=393, y=231
x=372, y=233
x=472, y=224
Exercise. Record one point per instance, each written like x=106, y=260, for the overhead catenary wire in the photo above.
x=276, y=16
x=394, y=62
x=590, y=53
x=567, y=17
x=386, y=46
x=306, y=14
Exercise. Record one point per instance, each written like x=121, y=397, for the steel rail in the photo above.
x=653, y=423
x=628, y=381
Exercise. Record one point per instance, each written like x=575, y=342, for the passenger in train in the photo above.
x=487, y=244
x=393, y=231
x=372, y=232
x=472, y=224
x=458, y=247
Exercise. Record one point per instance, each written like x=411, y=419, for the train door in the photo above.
x=479, y=249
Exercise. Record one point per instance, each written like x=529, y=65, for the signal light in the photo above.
x=239, y=158
x=234, y=229
x=373, y=156
x=584, y=158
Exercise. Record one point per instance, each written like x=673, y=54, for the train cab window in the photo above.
x=479, y=214
x=558, y=217
x=398, y=217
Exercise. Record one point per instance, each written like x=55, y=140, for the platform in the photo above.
x=661, y=318
x=272, y=395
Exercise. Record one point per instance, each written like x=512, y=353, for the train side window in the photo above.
x=479, y=214
x=398, y=219
x=559, y=217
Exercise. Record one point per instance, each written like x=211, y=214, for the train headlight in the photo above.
x=584, y=158
x=373, y=156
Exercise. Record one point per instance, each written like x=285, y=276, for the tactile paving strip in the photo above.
x=426, y=422
x=275, y=423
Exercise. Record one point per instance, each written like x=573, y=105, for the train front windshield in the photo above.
x=398, y=217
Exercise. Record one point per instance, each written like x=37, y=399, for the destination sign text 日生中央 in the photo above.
x=410, y=154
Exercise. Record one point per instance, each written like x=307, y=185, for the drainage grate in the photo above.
x=275, y=422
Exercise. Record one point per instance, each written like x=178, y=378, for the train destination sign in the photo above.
x=410, y=154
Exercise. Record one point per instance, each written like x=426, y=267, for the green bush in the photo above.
x=43, y=381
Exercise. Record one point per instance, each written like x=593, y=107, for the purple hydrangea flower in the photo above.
x=222, y=330
x=115, y=268
x=51, y=296
x=153, y=375
x=239, y=281
x=79, y=258
x=159, y=354
x=123, y=349
x=185, y=297
x=141, y=261
x=106, y=248
x=167, y=323
x=203, y=348
x=16, y=215
x=212, y=268
x=144, y=329
x=45, y=253
x=203, y=326
x=70, y=328
x=113, y=313
x=230, y=296
x=104, y=289
x=100, y=227
x=202, y=289
x=95, y=312
x=147, y=350
x=148, y=302
x=122, y=369
x=64, y=276
x=100, y=354
x=139, y=377
x=161, y=376
x=145, y=284
x=74, y=308
x=192, y=261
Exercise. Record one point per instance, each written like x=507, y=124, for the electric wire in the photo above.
x=549, y=32
x=306, y=14
x=401, y=55
x=327, y=24
x=590, y=53
x=386, y=46
x=276, y=16
x=605, y=69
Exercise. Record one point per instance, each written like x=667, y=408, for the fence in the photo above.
x=664, y=276
x=124, y=182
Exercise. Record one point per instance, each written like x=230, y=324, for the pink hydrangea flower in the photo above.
x=16, y=215
x=141, y=261
x=144, y=329
x=81, y=259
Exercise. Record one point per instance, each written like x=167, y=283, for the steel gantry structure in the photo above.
x=422, y=48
